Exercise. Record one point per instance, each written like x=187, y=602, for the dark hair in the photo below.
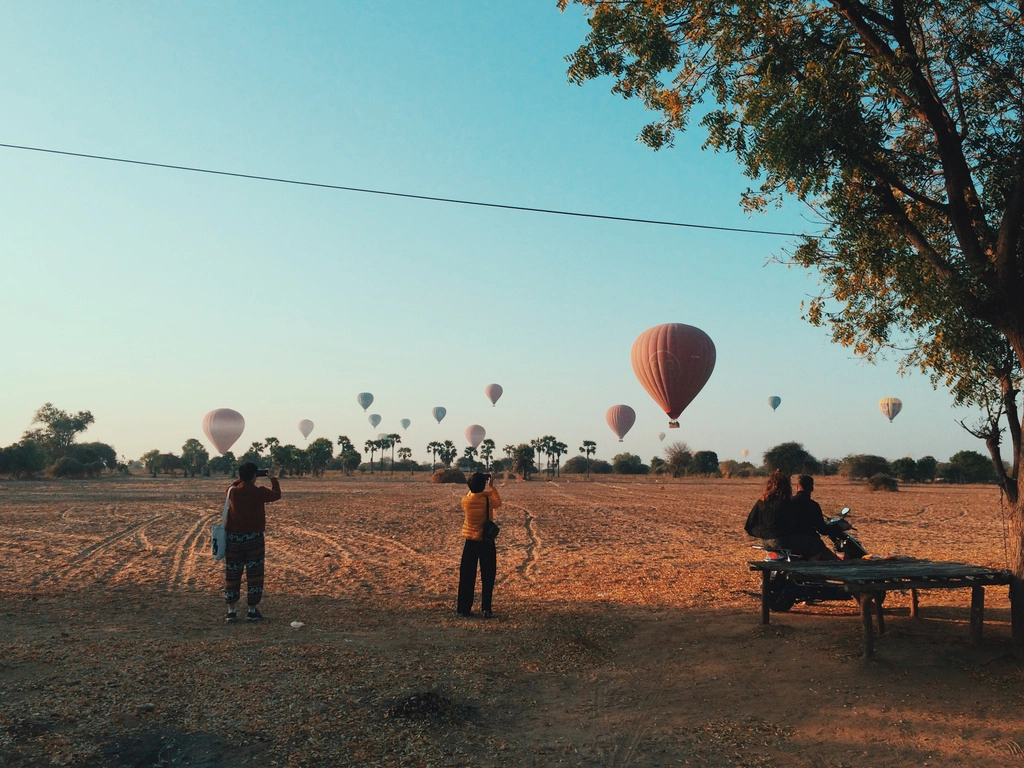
x=477, y=482
x=778, y=487
x=806, y=483
x=247, y=471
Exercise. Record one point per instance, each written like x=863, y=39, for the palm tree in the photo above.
x=257, y=448
x=486, y=451
x=393, y=439
x=557, y=449
x=434, y=447
x=588, y=448
x=468, y=454
x=371, y=446
x=447, y=452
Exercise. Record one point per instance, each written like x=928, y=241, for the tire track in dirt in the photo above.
x=94, y=553
x=531, y=552
x=187, y=548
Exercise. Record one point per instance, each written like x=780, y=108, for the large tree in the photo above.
x=58, y=431
x=902, y=124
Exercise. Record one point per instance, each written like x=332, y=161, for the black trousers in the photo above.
x=473, y=552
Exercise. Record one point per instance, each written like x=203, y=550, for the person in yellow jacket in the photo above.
x=480, y=502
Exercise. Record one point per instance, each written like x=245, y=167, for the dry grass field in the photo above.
x=626, y=633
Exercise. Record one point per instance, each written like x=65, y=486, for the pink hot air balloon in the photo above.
x=745, y=453
x=305, y=427
x=223, y=427
x=620, y=418
x=673, y=363
x=493, y=392
x=475, y=435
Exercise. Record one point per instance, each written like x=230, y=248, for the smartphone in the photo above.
x=262, y=473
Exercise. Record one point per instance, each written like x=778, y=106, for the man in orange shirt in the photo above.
x=246, y=549
x=478, y=505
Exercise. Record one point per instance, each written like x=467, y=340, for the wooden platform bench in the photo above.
x=868, y=580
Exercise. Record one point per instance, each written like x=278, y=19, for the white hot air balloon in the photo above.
x=493, y=392
x=223, y=427
x=661, y=435
x=439, y=413
x=745, y=452
x=475, y=435
x=405, y=423
x=374, y=419
x=305, y=427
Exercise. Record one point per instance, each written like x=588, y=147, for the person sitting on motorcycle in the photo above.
x=788, y=523
x=769, y=517
x=807, y=523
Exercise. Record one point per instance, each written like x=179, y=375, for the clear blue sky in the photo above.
x=150, y=297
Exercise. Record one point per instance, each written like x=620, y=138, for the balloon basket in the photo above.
x=673, y=425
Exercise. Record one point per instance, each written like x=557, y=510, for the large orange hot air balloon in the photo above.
x=891, y=406
x=620, y=418
x=223, y=427
x=673, y=363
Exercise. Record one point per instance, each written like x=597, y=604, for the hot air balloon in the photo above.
x=305, y=427
x=374, y=419
x=475, y=434
x=744, y=453
x=439, y=413
x=405, y=423
x=891, y=407
x=661, y=435
x=673, y=363
x=620, y=418
x=774, y=401
x=493, y=392
x=223, y=427
x=365, y=399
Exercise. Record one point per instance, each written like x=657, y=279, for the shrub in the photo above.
x=67, y=467
x=883, y=482
x=448, y=475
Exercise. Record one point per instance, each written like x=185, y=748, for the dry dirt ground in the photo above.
x=627, y=632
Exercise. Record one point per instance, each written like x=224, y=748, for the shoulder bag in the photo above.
x=219, y=534
x=491, y=529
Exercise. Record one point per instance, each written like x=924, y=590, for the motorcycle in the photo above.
x=787, y=589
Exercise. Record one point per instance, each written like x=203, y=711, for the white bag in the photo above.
x=219, y=534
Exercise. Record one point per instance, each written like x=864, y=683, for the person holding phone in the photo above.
x=245, y=550
x=477, y=506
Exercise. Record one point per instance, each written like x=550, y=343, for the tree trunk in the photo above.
x=1016, y=549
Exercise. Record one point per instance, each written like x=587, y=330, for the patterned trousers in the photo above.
x=244, y=552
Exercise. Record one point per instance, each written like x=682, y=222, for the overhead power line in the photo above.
x=407, y=195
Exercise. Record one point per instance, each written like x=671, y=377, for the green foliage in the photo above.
x=883, y=482
x=194, y=457
x=678, y=458
x=22, y=460
x=968, y=467
x=790, y=459
x=151, y=461
x=577, y=465
x=225, y=465
x=58, y=431
x=927, y=469
x=601, y=467
x=628, y=464
x=862, y=466
x=905, y=469
x=90, y=453
x=705, y=463
x=522, y=461
x=67, y=467
x=318, y=455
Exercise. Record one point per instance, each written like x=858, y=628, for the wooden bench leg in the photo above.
x=766, y=583
x=866, y=605
x=913, y=603
x=878, y=613
x=977, y=612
